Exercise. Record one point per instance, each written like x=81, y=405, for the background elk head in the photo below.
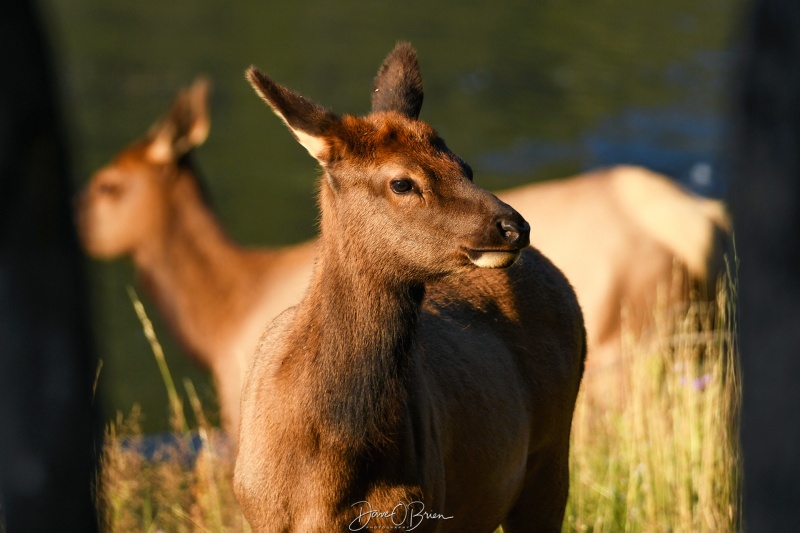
x=129, y=200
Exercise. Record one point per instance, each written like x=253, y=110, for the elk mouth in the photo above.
x=493, y=258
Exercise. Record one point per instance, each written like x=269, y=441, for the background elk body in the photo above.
x=216, y=296
x=630, y=241
x=408, y=374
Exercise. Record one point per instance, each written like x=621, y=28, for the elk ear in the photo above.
x=398, y=84
x=185, y=127
x=310, y=123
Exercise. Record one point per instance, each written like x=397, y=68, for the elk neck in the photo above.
x=357, y=327
x=198, y=277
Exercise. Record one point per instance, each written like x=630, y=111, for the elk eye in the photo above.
x=401, y=186
x=108, y=188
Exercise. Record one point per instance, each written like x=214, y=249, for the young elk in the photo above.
x=423, y=381
x=148, y=204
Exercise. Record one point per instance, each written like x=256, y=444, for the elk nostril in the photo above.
x=514, y=231
x=510, y=230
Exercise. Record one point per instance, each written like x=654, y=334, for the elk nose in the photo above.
x=515, y=231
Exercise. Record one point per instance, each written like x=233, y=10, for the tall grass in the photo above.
x=177, y=483
x=664, y=458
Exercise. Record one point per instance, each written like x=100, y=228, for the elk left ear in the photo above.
x=398, y=84
x=185, y=127
x=311, y=124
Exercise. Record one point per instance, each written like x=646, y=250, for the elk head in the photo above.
x=395, y=198
x=129, y=201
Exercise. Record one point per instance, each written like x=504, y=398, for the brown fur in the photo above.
x=407, y=374
x=215, y=295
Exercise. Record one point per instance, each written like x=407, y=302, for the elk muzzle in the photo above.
x=508, y=235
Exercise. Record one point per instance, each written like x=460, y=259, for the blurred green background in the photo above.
x=524, y=91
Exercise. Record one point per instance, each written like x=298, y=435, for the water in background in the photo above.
x=524, y=91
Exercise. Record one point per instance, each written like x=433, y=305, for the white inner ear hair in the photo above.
x=316, y=146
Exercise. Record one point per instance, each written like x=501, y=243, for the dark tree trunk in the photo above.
x=766, y=206
x=48, y=416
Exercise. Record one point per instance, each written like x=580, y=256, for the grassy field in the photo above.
x=667, y=457
x=664, y=458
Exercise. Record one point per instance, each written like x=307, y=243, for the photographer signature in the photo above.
x=406, y=516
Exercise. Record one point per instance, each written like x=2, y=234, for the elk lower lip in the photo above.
x=493, y=258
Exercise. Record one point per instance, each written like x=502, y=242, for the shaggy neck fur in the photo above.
x=361, y=317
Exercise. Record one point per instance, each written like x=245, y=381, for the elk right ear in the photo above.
x=311, y=124
x=185, y=127
x=398, y=84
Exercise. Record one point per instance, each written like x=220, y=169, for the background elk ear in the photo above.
x=398, y=84
x=311, y=124
x=185, y=126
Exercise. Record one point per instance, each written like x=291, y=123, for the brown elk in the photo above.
x=422, y=377
x=216, y=296
x=616, y=234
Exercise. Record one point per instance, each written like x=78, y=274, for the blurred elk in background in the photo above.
x=633, y=244
x=216, y=296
